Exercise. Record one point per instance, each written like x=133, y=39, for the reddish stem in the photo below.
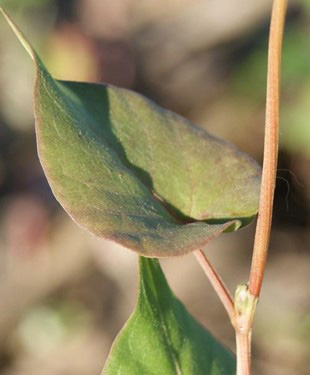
x=217, y=283
x=263, y=227
x=243, y=345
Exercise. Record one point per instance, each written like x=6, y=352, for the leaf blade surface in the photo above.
x=129, y=171
x=162, y=338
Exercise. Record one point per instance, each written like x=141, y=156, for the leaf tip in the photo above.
x=19, y=34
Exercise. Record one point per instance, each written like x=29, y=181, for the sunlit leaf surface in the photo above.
x=162, y=338
x=129, y=171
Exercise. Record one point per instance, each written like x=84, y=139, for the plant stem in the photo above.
x=243, y=344
x=247, y=296
x=241, y=311
x=263, y=227
x=217, y=283
x=245, y=305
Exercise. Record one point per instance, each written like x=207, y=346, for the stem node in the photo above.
x=245, y=306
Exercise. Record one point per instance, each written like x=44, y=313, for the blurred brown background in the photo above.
x=63, y=294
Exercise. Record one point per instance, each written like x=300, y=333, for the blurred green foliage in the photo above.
x=249, y=81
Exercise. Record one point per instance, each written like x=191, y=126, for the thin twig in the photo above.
x=263, y=227
x=217, y=283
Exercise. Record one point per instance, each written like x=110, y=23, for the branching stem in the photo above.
x=241, y=310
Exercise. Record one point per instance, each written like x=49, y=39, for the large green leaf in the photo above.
x=162, y=338
x=130, y=171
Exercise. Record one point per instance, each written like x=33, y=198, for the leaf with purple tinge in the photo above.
x=129, y=171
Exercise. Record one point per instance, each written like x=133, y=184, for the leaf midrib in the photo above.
x=160, y=316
